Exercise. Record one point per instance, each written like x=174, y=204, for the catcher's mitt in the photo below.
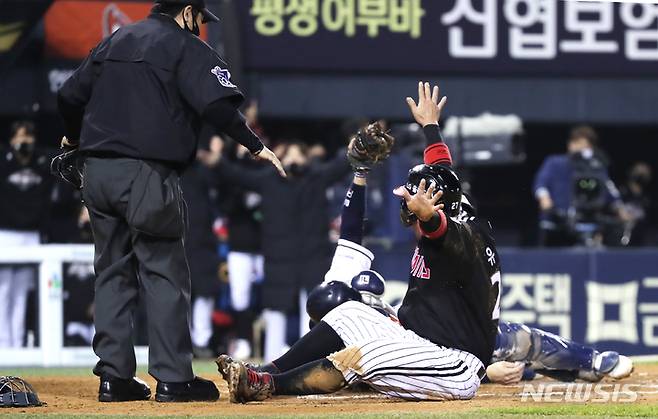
x=368, y=147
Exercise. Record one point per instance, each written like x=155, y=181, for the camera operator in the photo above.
x=578, y=201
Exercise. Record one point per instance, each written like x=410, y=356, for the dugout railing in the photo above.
x=50, y=350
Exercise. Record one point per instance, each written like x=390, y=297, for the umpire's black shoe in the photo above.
x=113, y=389
x=197, y=390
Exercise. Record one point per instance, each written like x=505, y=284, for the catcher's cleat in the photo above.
x=246, y=385
x=588, y=375
x=608, y=364
x=622, y=369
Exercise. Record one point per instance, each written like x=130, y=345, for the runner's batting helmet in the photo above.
x=444, y=179
x=325, y=297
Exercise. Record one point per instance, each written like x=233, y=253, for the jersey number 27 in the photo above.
x=495, y=288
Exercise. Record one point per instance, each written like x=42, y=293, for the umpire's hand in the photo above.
x=211, y=157
x=66, y=143
x=267, y=154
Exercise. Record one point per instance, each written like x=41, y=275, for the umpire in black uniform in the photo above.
x=134, y=108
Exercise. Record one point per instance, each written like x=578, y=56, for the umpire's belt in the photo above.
x=164, y=169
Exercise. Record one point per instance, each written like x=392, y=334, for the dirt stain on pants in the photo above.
x=347, y=361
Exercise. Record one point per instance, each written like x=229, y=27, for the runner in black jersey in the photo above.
x=454, y=285
x=439, y=348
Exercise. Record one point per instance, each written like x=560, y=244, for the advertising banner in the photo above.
x=463, y=37
x=74, y=27
x=607, y=299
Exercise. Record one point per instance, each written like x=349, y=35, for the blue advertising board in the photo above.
x=606, y=298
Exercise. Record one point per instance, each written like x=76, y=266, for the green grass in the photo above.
x=617, y=411
x=629, y=410
x=635, y=410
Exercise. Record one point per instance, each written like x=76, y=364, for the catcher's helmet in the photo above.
x=16, y=392
x=325, y=297
x=371, y=282
x=444, y=179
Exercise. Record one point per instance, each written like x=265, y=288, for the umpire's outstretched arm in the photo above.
x=225, y=117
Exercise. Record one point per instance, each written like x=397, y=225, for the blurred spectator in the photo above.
x=295, y=232
x=84, y=226
x=69, y=218
x=26, y=191
x=245, y=260
x=575, y=193
x=201, y=250
x=78, y=295
x=251, y=117
x=635, y=196
x=317, y=152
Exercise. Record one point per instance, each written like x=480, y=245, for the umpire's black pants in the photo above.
x=137, y=218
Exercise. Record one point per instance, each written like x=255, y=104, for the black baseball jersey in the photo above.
x=144, y=91
x=26, y=191
x=454, y=287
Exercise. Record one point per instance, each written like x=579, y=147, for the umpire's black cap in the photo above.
x=208, y=16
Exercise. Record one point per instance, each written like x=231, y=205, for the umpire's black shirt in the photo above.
x=143, y=91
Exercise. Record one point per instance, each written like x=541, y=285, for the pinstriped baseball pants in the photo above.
x=397, y=362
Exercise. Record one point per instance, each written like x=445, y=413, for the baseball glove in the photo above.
x=368, y=147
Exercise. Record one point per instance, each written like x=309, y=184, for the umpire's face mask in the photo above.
x=195, y=24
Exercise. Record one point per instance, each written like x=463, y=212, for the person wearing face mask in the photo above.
x=134, y=110
x=294, y=233
x=25, y=189
x=574, y=187
x=637, y=202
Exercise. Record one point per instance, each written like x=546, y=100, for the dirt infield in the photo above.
x=77, y=396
